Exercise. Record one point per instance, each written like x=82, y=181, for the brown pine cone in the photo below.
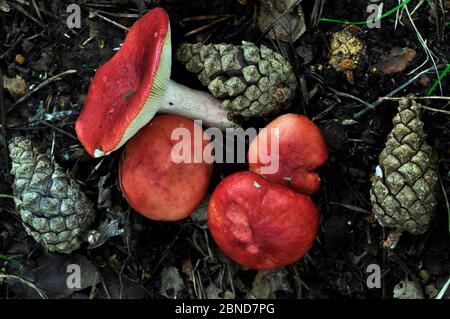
x=252, y=81
x=346, y=51
x=53, y=209
x=403, y=192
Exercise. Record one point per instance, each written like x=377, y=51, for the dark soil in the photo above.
x=131, y=266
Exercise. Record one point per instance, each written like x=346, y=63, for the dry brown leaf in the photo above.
x=407, y=289
x=16, y=86
x=288, y=28
x=213, y=292
x=261, y=288
x=396, y=61
x=171, y=283
x=4, y=6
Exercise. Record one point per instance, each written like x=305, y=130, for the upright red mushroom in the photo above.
x=134, y=84
x=261, y=224
x=156, y=184
x=301, y=150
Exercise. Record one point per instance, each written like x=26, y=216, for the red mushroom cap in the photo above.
x=302, y=149
x=126, y=91
x=153, y=184
x=261, y=224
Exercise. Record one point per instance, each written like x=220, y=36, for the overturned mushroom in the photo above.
x=134, y=84
x=301, y=149
x=161, y=177
x=261, y=224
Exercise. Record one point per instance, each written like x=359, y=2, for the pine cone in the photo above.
x=53, y=209
x=403, y=193
x=346, y=51
x=252, y=81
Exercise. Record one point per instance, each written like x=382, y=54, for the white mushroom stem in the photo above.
x=196, y=105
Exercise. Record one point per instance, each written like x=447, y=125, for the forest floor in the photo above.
x=180, y=259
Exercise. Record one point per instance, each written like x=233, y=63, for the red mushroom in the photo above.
x=156, y=184
x=301, y=150
x=261, y=224
x=129, y=89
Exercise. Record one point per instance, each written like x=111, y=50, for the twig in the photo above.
x=207, y=17
x=352, y=207
x=168, y=247
x=443, y=290
x=390, y=98
x=58, y=130
x=317, y=12
x=401, y=87
x=105, y=288
x=424, y=45
x=94, y=286
x=435, y=110
x=343, y=94
x=101, y=5
x=3, y=114
x=119, y=15
x=36, y=8
x=40, y=86
x=110, y=21
x=12, y=47
x=438, y=81
x=25, y=282
x=387, y=98
x=421, y=2
x=204, y=27
x=25, y=13
x=7, y=196
x=323, y=113
x=23, y=2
